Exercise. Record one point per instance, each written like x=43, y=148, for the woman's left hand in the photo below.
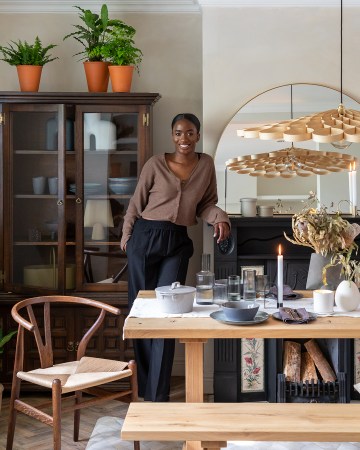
x=221, y=231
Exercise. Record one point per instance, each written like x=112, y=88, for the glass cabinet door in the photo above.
x=112, y=139
x=36, y=139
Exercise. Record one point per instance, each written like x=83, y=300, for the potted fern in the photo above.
x=119, y=49
x=3, y=341
x=29, y=60
x=91, y=35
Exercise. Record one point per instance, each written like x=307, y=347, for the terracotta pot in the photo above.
x=29, y=77
x=121, y=78
x=97, y=75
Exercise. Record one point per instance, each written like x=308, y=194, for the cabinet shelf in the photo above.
x=44, y=243
x=110, y=152
x=37, y=152
x=36, y=196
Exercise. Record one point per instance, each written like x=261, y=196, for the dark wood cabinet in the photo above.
x=70, y=163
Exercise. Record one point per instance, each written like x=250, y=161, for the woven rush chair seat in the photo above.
x=77, y=375
x=84, y=375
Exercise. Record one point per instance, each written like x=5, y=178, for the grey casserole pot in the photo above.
x=175, y=299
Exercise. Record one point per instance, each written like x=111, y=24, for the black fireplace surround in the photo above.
x=255, y=243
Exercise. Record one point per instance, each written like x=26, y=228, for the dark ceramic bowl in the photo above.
x=240, y=311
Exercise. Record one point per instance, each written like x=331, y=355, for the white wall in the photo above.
x=249, y=50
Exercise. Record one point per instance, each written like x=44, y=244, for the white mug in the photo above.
x=323, y=301
x=39, y=184
x=53, y=185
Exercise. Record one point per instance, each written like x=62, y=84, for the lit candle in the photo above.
x=354, y=189
x=350, y=188
x=280, y=278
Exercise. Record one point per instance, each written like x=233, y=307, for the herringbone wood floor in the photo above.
x=31, y=434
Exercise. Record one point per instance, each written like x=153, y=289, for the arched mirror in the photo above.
x=287, y=195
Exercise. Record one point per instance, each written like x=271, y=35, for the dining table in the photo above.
x=194, y=332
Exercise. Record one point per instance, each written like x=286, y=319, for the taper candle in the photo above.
x=350, y=188
x=354, y=189
x=280, y=278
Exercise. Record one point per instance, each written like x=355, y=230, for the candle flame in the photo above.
x=279, y=249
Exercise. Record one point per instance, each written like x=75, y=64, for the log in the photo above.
x=319, y=359
x=308, y=369
x=292, y=361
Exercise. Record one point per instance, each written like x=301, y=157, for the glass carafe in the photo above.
x=205, y=282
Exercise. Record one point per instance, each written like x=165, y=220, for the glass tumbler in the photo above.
x=220, y=291
x=234, y=287
x=249, y=280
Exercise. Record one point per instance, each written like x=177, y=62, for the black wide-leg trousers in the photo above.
x=158, y=254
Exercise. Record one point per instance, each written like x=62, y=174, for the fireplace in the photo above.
x=233, y=356
x=251, y=371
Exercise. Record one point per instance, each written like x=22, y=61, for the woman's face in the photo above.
x=185, y=136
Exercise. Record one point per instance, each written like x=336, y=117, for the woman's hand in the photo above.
x=221, y=231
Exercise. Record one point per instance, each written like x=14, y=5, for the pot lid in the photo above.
x=175, y=288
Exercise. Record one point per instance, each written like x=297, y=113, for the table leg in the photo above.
x=194, y=377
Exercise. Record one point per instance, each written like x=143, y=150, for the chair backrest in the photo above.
x=43, y=340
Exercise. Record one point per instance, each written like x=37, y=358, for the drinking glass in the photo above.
x=220, y=291
x=249, y=280
x=262, y=286
x=234, y=287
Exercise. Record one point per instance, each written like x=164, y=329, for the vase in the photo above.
x=347, y=296
x=315, y=273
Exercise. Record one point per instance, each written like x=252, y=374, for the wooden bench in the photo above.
x=216, y=423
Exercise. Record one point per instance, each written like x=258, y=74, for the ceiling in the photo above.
x=155, y=6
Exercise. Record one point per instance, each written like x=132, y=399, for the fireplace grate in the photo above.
x=310, y=392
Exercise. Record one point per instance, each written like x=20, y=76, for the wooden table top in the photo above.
x=208, y=328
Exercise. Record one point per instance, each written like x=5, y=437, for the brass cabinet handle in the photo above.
x=78, y=200
x=60, y=202
x=70, y=346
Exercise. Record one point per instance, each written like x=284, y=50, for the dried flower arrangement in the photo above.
x=327, y=234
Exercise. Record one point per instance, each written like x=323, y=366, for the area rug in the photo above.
x=106, y=436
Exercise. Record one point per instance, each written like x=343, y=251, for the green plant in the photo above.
x=22, y=53
x=119, y=48
x=5, y=339
x=91, y=35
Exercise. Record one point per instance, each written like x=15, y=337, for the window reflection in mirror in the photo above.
x=287, y=195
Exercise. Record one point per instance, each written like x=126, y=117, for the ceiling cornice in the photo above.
x=276, y=3
x=156, y=6
x=67, y=6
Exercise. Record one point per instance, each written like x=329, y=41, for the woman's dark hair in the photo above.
x=187, y=116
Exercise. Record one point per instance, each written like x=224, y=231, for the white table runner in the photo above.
x=149, y=308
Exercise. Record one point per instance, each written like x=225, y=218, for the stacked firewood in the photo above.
x=301, y=366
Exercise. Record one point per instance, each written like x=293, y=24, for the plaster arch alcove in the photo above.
x=271, y=106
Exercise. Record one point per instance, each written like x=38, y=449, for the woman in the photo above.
x=173, y=189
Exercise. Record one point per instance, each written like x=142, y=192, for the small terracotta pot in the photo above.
x=97, y=75
x=121, y=78
x=29, y=77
